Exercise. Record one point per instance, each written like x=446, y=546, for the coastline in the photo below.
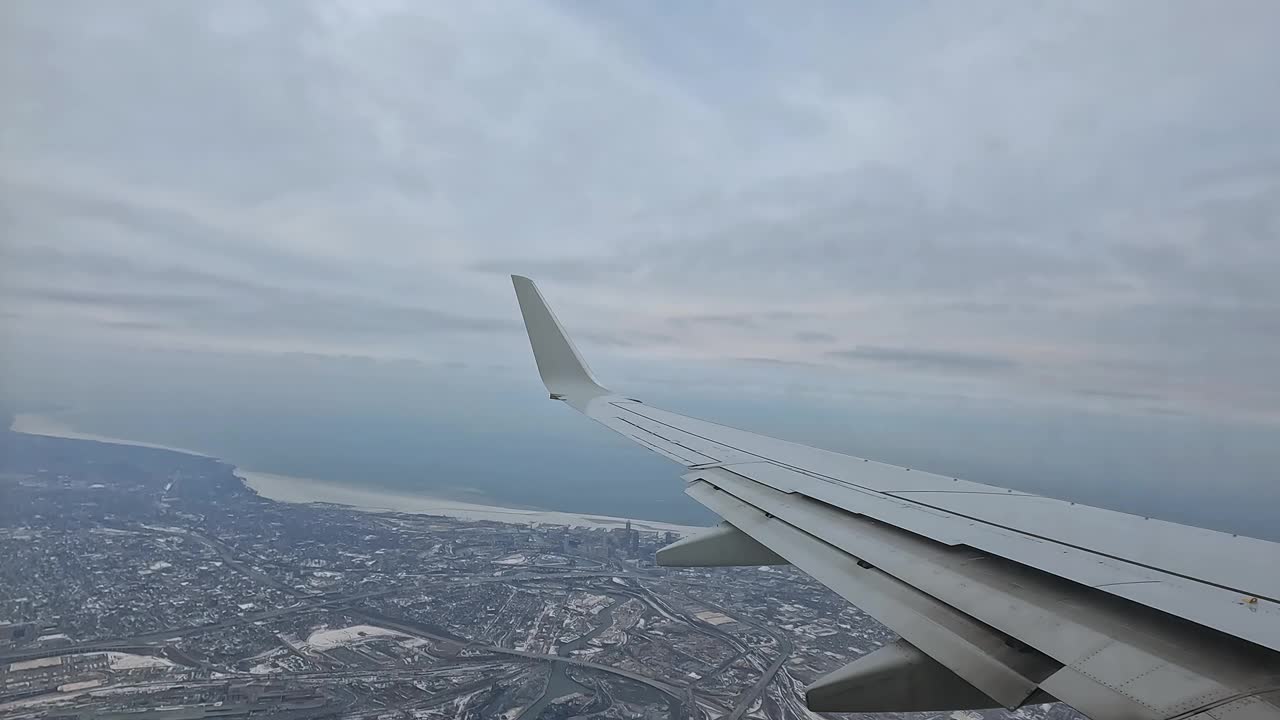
x=303, y=491
x=34, y=424
x=286, y=488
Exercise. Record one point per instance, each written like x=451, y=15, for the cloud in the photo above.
x=776, y=362
x=732, y=321
x=918, y=359
x=127, y=294
x=622, y=340
x=1116, y=395
x=813, y=336
x=744, y=320
x=1068, y=192
x=569, y=271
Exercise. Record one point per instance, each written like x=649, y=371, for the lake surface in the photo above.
x=518, y=451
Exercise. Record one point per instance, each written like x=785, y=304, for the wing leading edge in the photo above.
x=1001, y=598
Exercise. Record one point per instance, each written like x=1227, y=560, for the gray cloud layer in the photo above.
x=1088, y=194
x=927, y=359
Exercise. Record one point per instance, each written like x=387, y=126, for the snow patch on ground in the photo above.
x=129, y=661
x=82, y=685
x=326, y=639
x=266, y=661
x=714, y=618
x=33, y=664
x=612, y=636
x=589, y=603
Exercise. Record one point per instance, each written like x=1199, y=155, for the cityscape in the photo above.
x=146, y=583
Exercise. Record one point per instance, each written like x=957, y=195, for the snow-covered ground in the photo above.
x=330, y=638
x=612, y=636
x=589, y=603
x=129, y=661
x=33, y=664
x=77, y=686
x=713, y=617
x=117, y=661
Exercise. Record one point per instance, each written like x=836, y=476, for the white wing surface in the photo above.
x=1001, y=598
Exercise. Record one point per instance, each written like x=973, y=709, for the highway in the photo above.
x=413, y=628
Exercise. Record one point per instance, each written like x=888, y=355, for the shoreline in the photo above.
x=35, y=424
x=304, y=491
x=297, y=490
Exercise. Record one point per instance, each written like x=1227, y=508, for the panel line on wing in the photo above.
x=722, y=452
x=1001, y=493
x=989, y=523
x=1099, y=553
x=709, y=458
x=1128, y=582
x=665, y=453
x=765, y=458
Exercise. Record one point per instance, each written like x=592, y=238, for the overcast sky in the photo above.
x=1066, y=206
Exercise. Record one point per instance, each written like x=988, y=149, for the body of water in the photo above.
x=516, y=451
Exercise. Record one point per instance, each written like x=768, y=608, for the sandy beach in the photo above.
x=285, y=488
x=33, y=424
x=306, y=490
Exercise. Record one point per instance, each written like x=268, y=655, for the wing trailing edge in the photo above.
x=721, y=546
x=898, y=677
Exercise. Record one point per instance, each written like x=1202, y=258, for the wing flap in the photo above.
x=1220, y=608
x=963, y=645
x=967, y=647
x=1133, y=654
x=721, y=546
x=897, y=677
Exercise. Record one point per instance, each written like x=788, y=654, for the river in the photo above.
x=559, y=683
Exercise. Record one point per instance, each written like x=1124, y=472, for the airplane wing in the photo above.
x=1000, y=598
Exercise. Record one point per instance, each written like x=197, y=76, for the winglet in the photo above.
x=562, y=368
